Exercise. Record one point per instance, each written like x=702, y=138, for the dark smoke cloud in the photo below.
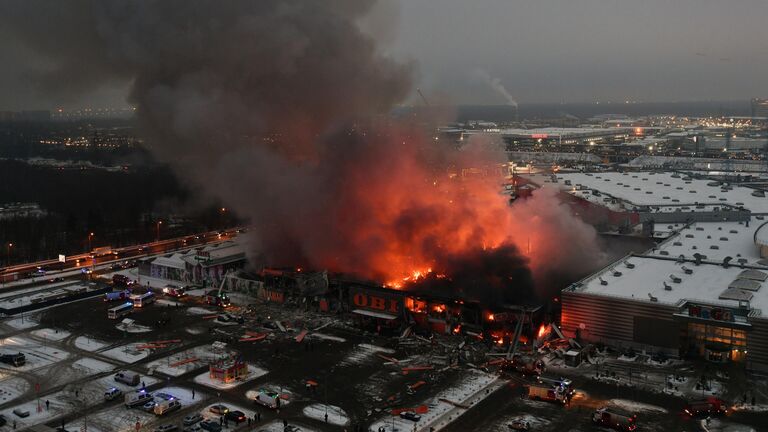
x=498, y=277
x=280, y=109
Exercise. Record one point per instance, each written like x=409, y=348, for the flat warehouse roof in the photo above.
x=670, y=282
x=661, y=189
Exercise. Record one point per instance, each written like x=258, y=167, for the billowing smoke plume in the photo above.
x=280, y=108
x=496, y=85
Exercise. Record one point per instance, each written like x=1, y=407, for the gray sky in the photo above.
x=540, y=50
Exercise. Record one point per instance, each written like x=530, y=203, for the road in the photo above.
x=84, y=260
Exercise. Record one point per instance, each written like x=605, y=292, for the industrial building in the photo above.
x=700, y=294
x=205, y=266
x=554, y=137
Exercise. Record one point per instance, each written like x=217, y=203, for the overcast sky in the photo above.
x=539, y=50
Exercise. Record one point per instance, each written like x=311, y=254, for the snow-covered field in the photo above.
x=22, y=322
x=336, y=415
x=277, y=426
x=92, y=366
x=363, y=353
x=196, y=310
x=132, y=327
x=469, y=390
x=205, y=379
x=87, y=343
x=122, y=419
x=50, y=334
x=634, y=406
x=202, y=354
x=127, y=353
x=11, y=388
x=328, y=337
x=38, y=355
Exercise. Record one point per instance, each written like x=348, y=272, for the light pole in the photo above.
x=8, y=253
x=158, y=230
x=90, y=237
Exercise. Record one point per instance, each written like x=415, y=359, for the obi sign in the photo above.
x=710, y=313
x=382, y=302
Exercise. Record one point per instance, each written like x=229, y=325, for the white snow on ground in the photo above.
x=720, y=425
x=205, y=379
x=326, y=337
x=121, y=419
x=194, y=330
x=87, y=343
x=24, y=322
x=132, y=327
x=127, y=353
x=195, y=310
x=751, y=408
x=92, y=391
x=472, y=388
x=202, y=353
x=363, y=353
x=12, y=388
x=277, y=426
x=37, y=354
x=168, y=302
x=336, y=415
x=634, y=406
x=51, y=334
x=92, y=366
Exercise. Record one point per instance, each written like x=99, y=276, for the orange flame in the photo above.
x=542, y=330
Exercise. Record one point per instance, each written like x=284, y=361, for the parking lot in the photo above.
x=314, y=363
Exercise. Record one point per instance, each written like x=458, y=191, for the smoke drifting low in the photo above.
x=280, y=109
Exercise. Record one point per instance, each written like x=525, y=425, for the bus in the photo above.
x=141, y=300
x=120, y=311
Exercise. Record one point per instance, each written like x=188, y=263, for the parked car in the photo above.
x=192, y=419
x=130, y=378
x=192, y=428
x=219, y=409
x=166, y=428
x=112, y=394
x=409, y=415
x=235, y=416
x=210, y=426
x=149, y=406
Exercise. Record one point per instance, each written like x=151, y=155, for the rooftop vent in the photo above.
x=667, y=287
x=686, y=270
x=629, y=264
x=745, y=284
x=617, y=273
x=603, y=282
x=755, y=275
x=675, y=279
x=653, y=299
x=736, y=294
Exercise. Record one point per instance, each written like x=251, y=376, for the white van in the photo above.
x=167, y=406
x=126, y=377
x=138, y=398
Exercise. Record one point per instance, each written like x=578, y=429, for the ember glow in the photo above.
x=542, y=331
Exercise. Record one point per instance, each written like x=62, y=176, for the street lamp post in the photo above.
x=158, y=230
x=8, y=253
x=90, y=237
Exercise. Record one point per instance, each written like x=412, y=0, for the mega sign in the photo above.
x=711, y=313
x=364, y=299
